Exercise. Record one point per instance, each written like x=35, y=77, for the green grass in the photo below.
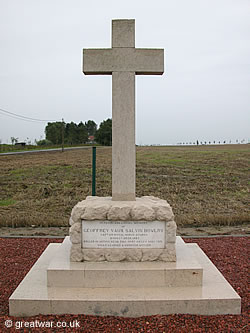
x=6, y=148
x=7, y=202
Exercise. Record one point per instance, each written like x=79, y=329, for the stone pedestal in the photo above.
x=56, y=285
x=157, y=274
x=106, y=230
x=61, y=273
x=122, y=257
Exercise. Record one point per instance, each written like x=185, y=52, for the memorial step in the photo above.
x=186, y=271
x=33, y=296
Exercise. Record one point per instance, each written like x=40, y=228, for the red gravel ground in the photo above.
x=229, y=254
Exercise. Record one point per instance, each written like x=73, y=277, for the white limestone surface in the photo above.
x=123, y=234
x=106, y=230
x=186, y=271
x=123, y=61
x=147, y=208
x=33, y=296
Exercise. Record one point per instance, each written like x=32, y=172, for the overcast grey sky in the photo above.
x=203, y=94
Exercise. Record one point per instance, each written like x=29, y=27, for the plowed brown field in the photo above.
x=206, y=185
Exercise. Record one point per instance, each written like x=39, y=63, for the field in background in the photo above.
x=206, y=185
x=5, y=148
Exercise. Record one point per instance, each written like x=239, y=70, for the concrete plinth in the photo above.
x=126, y=298
x=63, y=273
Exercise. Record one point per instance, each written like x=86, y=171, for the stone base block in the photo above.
x=134, y=231
x=33, y=296
x=167, y=254
x=146, y=208
x=185, y=272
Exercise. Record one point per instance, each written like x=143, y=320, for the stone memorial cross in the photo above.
x=123, y=61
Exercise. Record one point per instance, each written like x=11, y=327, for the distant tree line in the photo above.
x=104, y=133
x=72, y=133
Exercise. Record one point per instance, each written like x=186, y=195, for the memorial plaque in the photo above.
x=123, y=234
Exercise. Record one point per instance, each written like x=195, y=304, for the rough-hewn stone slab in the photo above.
x=147, y=208
x=106, y=230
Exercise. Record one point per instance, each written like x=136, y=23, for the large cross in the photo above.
x=123, y=61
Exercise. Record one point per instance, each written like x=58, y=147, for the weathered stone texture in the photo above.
x=96, y=212
x=142, y=212
x=149, y=255
x=147, y=208
x=130, y=255
x=164, y=212
x=115, y=254
x=76, y=213
x=93, y=255
x=133, y=254
x=76, y=253
x=171, y=232
x=71, y=221
x=119, y=212
x=169, y=253
x=75, y=233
